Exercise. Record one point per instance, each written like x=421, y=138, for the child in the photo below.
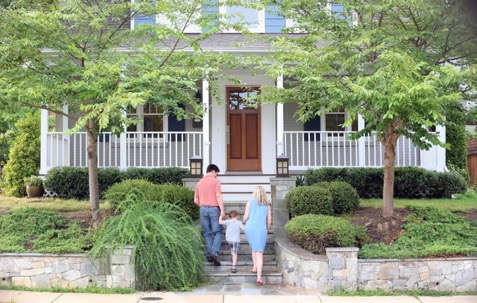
x=232, y=235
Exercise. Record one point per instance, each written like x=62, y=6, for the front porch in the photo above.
x=306, y=149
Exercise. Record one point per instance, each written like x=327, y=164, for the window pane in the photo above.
x=153, y=123
x=334, y=122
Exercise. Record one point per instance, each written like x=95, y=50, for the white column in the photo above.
x=361, y=144
x=66, y=138
x=123, y=141
x=44, y=142
x=441, y=151
x=206, y=123
x=280, y=125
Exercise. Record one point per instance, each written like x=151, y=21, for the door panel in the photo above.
x=243, y=124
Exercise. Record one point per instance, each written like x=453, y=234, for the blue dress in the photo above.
x=256, y=226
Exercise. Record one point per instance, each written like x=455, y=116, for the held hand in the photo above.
x=222, y=214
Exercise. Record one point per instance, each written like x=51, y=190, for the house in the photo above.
x=239, y=138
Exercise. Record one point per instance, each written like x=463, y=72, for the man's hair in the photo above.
x=233, y=213
x=212, y=167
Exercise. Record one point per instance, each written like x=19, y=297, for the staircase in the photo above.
x=236, y=191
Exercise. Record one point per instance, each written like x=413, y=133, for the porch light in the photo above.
x=196, y=165
x=282, y=166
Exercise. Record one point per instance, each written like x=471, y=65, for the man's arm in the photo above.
x=220, y=201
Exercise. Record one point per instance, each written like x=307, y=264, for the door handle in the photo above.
x=227, y=134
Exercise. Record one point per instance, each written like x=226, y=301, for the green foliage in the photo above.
x=118, y=193
x=168, y=248
x=33, y=181
x=309, y=200
x=153, y=193
x=29, y=229
x=316, y=232
x=24, y=157
x=345, y=197
x=430, y=232
x=300, y=180
x=72, y=182
x=409, y=182
x=68, y=182
x=456, y=137
x=180, y=196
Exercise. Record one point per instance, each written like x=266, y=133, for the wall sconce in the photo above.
x=282, y=166
x=196, y=165
x=198, y=98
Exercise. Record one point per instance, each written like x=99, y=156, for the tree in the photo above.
x=398, y=64
x=83, y=54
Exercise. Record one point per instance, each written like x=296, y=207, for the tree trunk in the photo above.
x=389, y=165
x=93, y=174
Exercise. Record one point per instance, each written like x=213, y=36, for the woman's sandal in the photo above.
x=260, y=283
x=254, y=271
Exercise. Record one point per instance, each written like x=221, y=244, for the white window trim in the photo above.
x=260, y=26
x=140, y=126
x=323, y=123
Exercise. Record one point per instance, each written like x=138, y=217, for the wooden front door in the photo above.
x=243, y=130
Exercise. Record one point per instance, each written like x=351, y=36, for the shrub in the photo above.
x=456, y=137
x=153, y=193
x=172, y=175
x=316, y=232
x=180, y=196
x=447, y=184
x=345, y=197
x=68, y=182
x=325, y=174
x=117, y=194
x=309, y=200
x=24, y=156
x=168, y=249
x=410, y=182
x=368, y=182
x=107, y=177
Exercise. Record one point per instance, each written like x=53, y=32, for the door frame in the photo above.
x=258, y=111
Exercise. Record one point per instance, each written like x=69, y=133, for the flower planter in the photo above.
x=34, y=191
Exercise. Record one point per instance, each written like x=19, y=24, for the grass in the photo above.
x=90, y=289
x=459, y=203
x=8, y=204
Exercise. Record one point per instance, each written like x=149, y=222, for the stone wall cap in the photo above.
x=28, y=255
x=341, y=249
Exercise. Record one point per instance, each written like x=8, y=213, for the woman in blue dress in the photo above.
x=258, y=218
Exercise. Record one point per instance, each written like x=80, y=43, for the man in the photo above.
x=208, y=195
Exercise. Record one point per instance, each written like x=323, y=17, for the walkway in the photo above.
x=266, y=294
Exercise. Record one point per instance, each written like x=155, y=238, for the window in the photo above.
x=254, y=17
x=333, y=122
x=152, y=120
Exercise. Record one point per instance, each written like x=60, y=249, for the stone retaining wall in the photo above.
x=341, y=269
x=68, y=270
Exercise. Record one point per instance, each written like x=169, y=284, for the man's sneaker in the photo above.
x=210, y=259
x=233, y=270
x=215, y=259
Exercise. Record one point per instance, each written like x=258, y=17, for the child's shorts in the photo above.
x=234, y=246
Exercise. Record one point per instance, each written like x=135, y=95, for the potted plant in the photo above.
x=34, y=186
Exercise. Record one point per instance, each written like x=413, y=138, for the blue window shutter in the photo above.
x=273, y=22
x=210, y=7
x=312, y=125
x=143, y=19
x=175, y=125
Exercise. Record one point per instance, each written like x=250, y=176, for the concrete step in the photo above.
x=243, y=239
x=244, y=277
x=242, y=266
x=245, y=178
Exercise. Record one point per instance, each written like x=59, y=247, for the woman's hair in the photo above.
x=261, y=196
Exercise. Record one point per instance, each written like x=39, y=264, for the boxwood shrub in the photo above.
x=316, y=232
x=409, y=183
x=117, y=195
x=72, y=182
x=345, y=197
x=309, y=200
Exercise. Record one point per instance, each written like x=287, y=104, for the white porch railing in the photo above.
x=131, y=149
x=308, y=149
